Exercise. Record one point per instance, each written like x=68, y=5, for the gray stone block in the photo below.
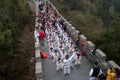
x=39, y=79
x=89, y=47
x=76, y=31
x=37, y=53
x=39, y=76
x=38, y=65
x=113, y=64
x=101, y=55
x=38, y=71
x=73, y=33
x=38, y=60
x=69, y=28
x=83, y=38
x=104, y=65
x=37, y=45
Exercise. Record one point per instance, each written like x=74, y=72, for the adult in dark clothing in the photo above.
x=117, y=72
x=43, y=28
x=43, y=22
x=77, y=38
x=102, y=76
x=95, y=72
x=40, y=6
x=63, y=25
x=54, y=24
x=94, y=51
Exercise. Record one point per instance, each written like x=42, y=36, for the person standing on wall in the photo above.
x=95, y=72
x=77, y=39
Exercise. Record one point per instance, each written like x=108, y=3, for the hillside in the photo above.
x=16, y=41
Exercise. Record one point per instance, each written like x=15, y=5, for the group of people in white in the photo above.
x=60, y=46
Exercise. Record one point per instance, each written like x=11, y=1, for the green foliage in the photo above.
x=14, y=14
x=65, y=9
x=111, y=11
x=1, y=39
x=109, y=41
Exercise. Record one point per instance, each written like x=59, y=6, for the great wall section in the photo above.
x=100, y=56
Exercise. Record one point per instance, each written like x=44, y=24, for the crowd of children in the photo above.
x=61, y=48
x=52, y=27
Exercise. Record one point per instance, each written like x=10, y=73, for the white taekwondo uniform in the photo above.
x=59, y=65
x=67, y=64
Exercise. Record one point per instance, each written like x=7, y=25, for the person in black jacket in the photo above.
x=95, y=72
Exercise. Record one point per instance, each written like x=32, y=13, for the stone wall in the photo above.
x=100, y=56
x=38, y=63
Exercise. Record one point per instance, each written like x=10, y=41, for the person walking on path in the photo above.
x=95, y=72
x=41, y=37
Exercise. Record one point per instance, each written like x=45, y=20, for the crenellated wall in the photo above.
x=100, y=56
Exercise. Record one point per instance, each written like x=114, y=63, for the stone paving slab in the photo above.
x=38, y=65
x=37, y=55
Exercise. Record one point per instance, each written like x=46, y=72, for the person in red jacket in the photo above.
x=41, y=37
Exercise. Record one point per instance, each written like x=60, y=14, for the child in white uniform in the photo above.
x=51, y=52
x=63, y=54
x=77, y=61
x=71, y=48
x=59, y=64
x=67, y=64
x=55, y=56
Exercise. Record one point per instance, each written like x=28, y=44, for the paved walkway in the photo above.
x=77, y=72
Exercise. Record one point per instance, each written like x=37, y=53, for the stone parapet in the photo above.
x=83, y=38
x=38, y=65
x=101, y=55
x=104, y=65
x=72, y=32
x=113, y=64
x=89, y=47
